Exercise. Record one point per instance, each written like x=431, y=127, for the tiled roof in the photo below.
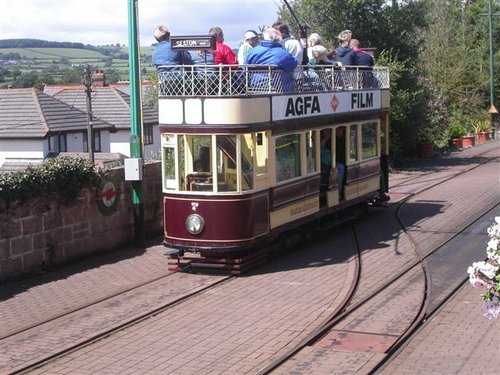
x=29, y=113
x=108, y=103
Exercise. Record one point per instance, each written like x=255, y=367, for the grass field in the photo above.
x=53, y=53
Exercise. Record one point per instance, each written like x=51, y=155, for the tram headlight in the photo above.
x=195, y=224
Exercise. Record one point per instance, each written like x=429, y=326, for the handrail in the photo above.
x=250, y=80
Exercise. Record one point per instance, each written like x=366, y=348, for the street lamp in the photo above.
x=492, y=111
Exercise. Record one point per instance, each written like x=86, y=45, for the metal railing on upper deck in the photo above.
x=246, y=80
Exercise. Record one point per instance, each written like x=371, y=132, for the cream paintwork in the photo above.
x=237, y=110
x=294, y=211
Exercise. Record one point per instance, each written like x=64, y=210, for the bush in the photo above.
x=456, y=131
x=64, y=177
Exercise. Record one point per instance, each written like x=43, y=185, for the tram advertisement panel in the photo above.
x=310, y=104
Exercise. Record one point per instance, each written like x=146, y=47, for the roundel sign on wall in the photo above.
x=107, y=195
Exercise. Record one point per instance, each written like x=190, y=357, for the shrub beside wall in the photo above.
x=46, y=231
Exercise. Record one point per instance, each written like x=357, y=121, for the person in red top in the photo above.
x=223, y=54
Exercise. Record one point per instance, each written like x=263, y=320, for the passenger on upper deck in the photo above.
x=320, y=57
x=361, y=57
x=331, y=55
x=344, y=52
x=164, y=54
x=250, y=40
x=223, y=54
x=313, y=40
x=204, y=57
x=292, y=45
x=271, y=52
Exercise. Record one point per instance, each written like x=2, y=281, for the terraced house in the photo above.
x=38, y=125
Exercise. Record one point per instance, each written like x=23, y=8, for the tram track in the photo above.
x=82, y=307
x=341, y=312
x=36, y=363
x=424, y=312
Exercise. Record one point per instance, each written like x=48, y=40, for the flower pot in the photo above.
x=482, y=137
x=425, y=149
x=455, y=142
x=468, y=141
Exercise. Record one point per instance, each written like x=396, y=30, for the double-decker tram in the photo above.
x=251, y=155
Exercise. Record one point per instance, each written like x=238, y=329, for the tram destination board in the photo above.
x=193, y=42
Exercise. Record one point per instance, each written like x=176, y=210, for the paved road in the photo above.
x=241, y=326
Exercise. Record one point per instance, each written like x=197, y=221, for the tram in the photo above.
x=248, y=159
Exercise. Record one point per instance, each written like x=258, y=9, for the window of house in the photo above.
x=287, y=157
x=61, y=143
x=97, y=141
x=148, y=135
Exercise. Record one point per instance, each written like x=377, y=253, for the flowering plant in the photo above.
x=486, y=275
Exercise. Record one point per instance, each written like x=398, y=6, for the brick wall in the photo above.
x=44, y=233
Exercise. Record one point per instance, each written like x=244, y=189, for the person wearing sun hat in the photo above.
x=344, y=52
x=250, y=40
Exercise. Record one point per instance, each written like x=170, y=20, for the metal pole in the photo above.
x=490, y=22
x=90, y=131
x=492, y=111
x=136, y=119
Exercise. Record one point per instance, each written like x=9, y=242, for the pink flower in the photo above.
x=492, y=309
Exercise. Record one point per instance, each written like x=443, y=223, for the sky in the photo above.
x=102, y=22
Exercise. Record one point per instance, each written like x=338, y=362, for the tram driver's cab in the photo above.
x=208, y=163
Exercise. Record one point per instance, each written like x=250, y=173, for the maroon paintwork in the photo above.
x=365, y=169
x=294, y=191
x=229, y=220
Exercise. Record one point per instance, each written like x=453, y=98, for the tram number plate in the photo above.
x=196, y=42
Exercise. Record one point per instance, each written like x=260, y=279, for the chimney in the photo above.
x=99, y=79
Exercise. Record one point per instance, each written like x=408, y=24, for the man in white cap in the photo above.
x=250, y=40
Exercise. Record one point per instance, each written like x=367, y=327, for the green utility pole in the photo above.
x=136, y=149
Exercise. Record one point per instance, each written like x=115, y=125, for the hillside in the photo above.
x=62, y=62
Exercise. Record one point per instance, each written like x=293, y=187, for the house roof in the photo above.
x=29, y=113
x=108, y=103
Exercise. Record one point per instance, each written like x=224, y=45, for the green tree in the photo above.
x=396, y=31
x=73, y=76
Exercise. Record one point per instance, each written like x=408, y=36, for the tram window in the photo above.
x=287, y=157
x=384, y=132
x=246, y=162
x=226, y=163
x=194, y=158
x=169, y=168
x=261, y=153
x=369, y=137
x=260, y=139
x=353, y=143
x=311, y=151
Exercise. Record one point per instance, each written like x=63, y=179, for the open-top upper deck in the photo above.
x=255, y=94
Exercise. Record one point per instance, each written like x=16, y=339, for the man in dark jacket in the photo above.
x=344, y=52
x=361, y=57
x=271, y=52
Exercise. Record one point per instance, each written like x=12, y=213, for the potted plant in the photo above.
x=456, y=132
x=482, y=129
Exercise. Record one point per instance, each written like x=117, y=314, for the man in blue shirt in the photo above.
x=163, y=53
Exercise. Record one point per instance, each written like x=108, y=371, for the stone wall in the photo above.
x=44, y=233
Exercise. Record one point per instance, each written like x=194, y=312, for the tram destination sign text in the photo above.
x=193, y=42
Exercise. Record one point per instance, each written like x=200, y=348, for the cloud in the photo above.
x=101, y=22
